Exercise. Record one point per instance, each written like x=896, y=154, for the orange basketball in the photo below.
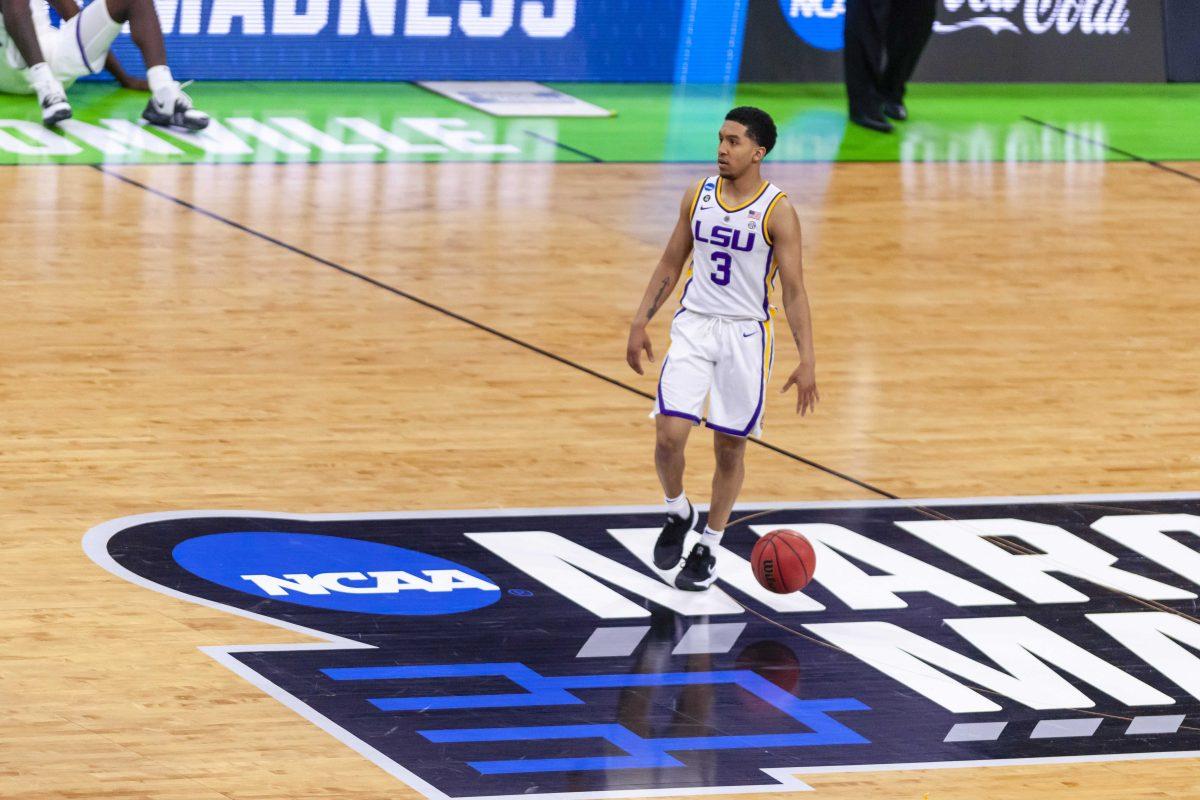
x=783, y=561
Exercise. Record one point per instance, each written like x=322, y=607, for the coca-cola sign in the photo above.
x=976, y=41
x=1037, y=16
x=820, y=22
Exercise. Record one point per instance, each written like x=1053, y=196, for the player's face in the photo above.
x=736, y=151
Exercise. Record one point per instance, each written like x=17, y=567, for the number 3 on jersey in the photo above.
x=723, y=261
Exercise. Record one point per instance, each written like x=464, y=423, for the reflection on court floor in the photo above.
x=654, y=123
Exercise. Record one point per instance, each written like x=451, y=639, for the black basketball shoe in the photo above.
x=55, y=108
x=699, y=571
x=668, y=549
x=172, y=108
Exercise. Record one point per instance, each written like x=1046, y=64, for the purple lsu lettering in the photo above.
x=724, y=236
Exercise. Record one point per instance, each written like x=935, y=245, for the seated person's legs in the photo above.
x=25, y=60
x=80, y=46
x=97, y=27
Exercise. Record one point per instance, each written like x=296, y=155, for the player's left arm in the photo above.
x=122, y=77
x=784, y=229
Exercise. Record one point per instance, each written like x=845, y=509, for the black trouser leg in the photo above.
x=908, y=28
x=863, y=54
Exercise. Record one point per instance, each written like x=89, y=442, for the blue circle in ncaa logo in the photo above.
x=336, y=573
x=818, y=22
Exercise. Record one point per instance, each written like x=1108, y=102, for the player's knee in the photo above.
x=730, y=452
x=118, y=10
x=667, y=444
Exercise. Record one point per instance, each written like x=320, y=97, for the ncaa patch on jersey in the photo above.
x=539, y=653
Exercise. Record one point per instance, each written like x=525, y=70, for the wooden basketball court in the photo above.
x=401, y=337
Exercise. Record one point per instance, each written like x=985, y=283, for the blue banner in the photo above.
x=671, y=41
x=390, y=40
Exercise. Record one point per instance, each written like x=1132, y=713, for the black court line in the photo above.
x=566, y=147
x=1111, y=148
x=464, y=319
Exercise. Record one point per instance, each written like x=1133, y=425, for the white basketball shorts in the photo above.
x=76, y=48
x=724, y=361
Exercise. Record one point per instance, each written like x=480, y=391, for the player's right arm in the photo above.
x=662, y=283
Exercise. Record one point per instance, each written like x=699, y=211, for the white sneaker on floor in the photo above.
x=53, y=100
x=172, y=107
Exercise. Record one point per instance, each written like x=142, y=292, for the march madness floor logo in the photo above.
x=538, y=652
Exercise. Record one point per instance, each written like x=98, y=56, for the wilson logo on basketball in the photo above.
x=783, y=561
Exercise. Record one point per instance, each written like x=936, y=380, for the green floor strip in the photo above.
x=330, y=122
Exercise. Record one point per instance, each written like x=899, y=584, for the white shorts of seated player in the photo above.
x=76, y=48
x=723, y=360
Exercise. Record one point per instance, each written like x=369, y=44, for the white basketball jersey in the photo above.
x=733, y=260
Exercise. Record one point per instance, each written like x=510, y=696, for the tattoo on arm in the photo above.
x=658, y=298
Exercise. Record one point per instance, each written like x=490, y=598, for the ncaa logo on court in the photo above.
x=818, y=22
x=335, y=573
x=538, y=653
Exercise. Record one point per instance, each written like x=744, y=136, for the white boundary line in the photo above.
x=95, y=545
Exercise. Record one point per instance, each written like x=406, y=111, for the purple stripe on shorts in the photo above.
x=662, y=408
x=79, y=39
x=709, y=424
x=762, y=384
x=762, y=377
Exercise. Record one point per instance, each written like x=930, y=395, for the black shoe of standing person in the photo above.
x=873, y=121
x=895, y=111
x=669, y=547
x=699, y=571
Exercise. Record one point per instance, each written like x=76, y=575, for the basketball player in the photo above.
x=37, y=58
x=740, y=231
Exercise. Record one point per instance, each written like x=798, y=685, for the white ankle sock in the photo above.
x=40, y=77
x=160, y=79
x=711, y=538
x=678, y=505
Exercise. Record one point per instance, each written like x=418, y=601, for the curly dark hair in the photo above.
x=759, y=125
